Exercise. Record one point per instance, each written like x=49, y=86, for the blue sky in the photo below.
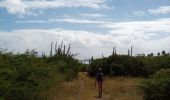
x=92, y=27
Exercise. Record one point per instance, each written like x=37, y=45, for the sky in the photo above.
x=93, y=27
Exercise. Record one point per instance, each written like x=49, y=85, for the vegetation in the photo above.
x=116, y=65
x=25, y=76
x=157, y=87
x=154, y=88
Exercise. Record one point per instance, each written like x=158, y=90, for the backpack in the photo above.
x=99, y=77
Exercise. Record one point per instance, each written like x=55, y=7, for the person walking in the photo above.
x=99, y=82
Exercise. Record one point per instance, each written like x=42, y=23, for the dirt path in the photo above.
x=83, y=88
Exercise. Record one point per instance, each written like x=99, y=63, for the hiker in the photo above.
x=99, y=82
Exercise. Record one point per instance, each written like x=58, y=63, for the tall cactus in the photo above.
x=68, y=50
x=128, y=52
x=114, y=51
x=51, y=52
x=61, y=50
x=56, y=48
x=131, y=51
x=64, y=49
x=42, y=54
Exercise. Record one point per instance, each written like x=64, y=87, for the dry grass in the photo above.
x=83, y=88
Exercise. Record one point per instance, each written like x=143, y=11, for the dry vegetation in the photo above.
x=83, y=88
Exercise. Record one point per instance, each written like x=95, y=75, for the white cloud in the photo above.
x=78, y=21
x=85, y=43
x=160, y=10
x=93, y=15
x=139, y=13
x=24, y=6
x=65, y=20
x=146, y=37
x=119, y=28
x=32, y=21
x=14, y=6
x=135, y=27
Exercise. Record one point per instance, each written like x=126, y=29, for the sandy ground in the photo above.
x=83, y=88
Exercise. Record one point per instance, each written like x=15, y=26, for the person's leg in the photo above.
x=98, y=83
x=100, y=88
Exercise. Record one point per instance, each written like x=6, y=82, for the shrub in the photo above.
x=118, y=65
x=83, y=68
x=157, y=87
x=25, y=76
x=118, y=69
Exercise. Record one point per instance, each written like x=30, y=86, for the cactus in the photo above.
x=43, y=54
x=114, y=51
x=131, y=51
x=60, y=50
x=56, y=48
x=51, y=52
x=64, y=50
x=68, y=50
x=128, y=52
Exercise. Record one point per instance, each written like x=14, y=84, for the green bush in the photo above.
x=25, y=76
x=118, y=65
x=99, y=63
x=157, y=87
x=155, y=63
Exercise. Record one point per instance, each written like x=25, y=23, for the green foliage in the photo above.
x=25, y=76
x=154, y=64
x=157, y=87
x=118, y=65
x=84, y=67
x=129, y=65
x=95, y=64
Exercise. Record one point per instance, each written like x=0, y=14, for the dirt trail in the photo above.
x=83, y=88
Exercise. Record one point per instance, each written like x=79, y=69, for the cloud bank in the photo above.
x=156, y=11
x=160, y=10
x=26, y=6
x=144, y=36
